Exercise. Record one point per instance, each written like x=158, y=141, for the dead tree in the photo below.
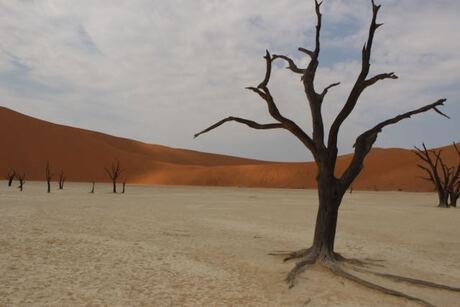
x=114, y=173
x=437, y=173
x=92, y=188
x=454, y=184
x=61, y=180
x=331, y=189
x=444, y=178
x=48, y=176
x=10, y=177
x=124, y=185
x=22, y=181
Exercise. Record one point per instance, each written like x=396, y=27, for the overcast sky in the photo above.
x=160, y=70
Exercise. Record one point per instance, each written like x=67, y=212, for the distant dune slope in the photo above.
x=27, y=143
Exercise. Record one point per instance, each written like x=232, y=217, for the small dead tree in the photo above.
x=48, y=175
x=124, y=185
x=10, y=177
x=92, y=188
x=61, y=180
x=114, y=173
x=22, y=181
x=331, y=189
x=454, y=184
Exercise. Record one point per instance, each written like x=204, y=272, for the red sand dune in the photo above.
x=27, y=143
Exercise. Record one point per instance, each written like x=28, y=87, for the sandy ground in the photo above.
x=186, y=246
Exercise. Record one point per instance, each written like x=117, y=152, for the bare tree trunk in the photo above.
x=443, y=199
x=10, y=177
x=92, y=189
x=326, y=219
x=114, y=186
x=48, y=176
x=61, y=180
x=453, y=199
x=124, y=185
x=21, y=179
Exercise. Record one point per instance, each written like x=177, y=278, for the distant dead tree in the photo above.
x=22, y=181
x=48, y=176
x=124, y=185
x=454, y=184
x=434, y=167
x=114, y=173
x=92, y=188
x=331, y=189
x=10, y=177
x=444, y=178
x=61, y=180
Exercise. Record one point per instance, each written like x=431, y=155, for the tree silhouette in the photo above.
x=92, y=188
x=454, y=184
x=10, y=177
x=22, y=181
x=446, y=179
x=48, y=176
x=331, y=189
x=61, y=180
x=433, y=167
x=124, y=187
x=114, y=173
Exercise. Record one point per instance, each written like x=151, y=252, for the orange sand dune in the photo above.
x=27, y=143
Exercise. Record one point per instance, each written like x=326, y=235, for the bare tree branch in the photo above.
x=365, y=141
x=456, y=149
x=360, y=83
x=292, y=66
x=247, y=122
x=326, y=90
x=379, y=77
x=307, y=52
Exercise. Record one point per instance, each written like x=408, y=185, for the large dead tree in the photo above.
x=114, y=173
x=61, y=180
x=331, y=188
x=48, y=176
x=22, y=181
x=10, y=177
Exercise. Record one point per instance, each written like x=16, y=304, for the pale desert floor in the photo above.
x=190, y=246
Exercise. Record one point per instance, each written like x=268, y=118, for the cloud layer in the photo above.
x=158, y=71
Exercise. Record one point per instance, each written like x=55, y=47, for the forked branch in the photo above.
x=365, y=141
x=361, y=83
x=282, y=122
